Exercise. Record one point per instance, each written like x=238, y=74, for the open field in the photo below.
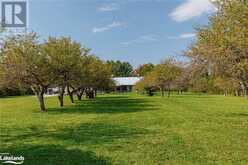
x=127, y=129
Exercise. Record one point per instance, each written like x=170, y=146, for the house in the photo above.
x=125, y=84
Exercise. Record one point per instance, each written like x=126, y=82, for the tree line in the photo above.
x=220, y=52
x=57, y=62
x=218, y=57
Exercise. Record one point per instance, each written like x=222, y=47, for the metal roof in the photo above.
x=119, y=81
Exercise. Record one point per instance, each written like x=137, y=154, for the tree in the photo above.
x=181, y=83
x=223, y=44
x=147, y=84
x=79, y=76
x=120, y=69
x=144, y=69
x=165, y=74
x=64, y=60
x=162, y=77
x=24, y=63
x=99, y=76
x=226, y=85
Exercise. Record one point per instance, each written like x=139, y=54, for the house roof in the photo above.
x=119, y=81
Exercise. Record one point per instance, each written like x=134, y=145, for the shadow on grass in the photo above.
x=193, y=96
x=237, y=115
x=55, y=155
x=98, y=134
x=117, y=104
x=86, y=134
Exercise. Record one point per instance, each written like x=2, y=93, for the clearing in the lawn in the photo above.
x=127, y=129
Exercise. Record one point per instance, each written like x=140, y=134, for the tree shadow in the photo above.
x=99, y=133
x=86, y=134
x=193, y=96
x=237, y=115
x=117, y=104
x=55, y=155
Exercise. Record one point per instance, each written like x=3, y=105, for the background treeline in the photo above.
x=5, y=91
x=26, y=64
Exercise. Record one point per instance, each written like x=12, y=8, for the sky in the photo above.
x=137, y=31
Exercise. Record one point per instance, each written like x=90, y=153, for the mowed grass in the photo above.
x=127, y=129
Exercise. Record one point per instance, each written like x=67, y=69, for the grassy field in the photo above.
x=127, y=129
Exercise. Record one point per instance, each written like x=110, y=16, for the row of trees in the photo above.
x=120, y=69
x=218, y=57
x=58, y=62
x=125, y=69
x=220, y=53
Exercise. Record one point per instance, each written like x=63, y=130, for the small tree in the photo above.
x=165, y=74
x=64, y=59
x=99, y=76
x=147, y=84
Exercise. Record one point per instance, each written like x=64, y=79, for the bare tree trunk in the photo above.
x=61, y=96
x=40, y=97
x=39, y=92
x=70, y=93
x=168, y=90
x=162, y=92
x=246, y=92
x=236, y=93
x=61, y=99
x=244, y=87
x=79, y=94
x=95, y=93
x=225, y=93
x=71, y=97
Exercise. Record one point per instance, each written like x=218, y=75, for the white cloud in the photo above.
x=183, y=36
x=108, y=7
x=108, y=27
x=142, y=39
x=192, y=8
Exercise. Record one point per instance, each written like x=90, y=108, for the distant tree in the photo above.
x=120, y=69
x=94, y=75
x=147, y=84
x=182, y=82
x=24, y=63
x=200, y=78
x=226, y=85
x=142, y=70
x=99, y=76
x=162, y=77
x=166, y=73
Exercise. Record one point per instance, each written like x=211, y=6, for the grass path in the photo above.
x=127, y=129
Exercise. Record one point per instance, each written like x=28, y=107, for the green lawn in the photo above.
x=127, y=129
